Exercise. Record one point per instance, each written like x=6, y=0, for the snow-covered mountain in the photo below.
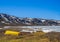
x=6, y=19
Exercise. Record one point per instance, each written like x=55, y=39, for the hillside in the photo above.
x=6, y=19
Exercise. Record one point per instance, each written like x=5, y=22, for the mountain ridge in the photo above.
x=8, y=20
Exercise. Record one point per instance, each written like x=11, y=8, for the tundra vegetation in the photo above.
x=38, y=36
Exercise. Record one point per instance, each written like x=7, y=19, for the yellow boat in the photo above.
x=9, y=32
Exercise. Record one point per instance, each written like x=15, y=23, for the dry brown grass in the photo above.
x=34, y=37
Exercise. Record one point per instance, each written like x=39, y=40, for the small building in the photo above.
x=9, y=32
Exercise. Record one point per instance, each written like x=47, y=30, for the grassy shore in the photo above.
x=34, y=37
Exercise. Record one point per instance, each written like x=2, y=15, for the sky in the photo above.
x=47, y=9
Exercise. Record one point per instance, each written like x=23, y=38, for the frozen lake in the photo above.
x=51, y=28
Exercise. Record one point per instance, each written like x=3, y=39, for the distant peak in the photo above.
x=6, y=19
